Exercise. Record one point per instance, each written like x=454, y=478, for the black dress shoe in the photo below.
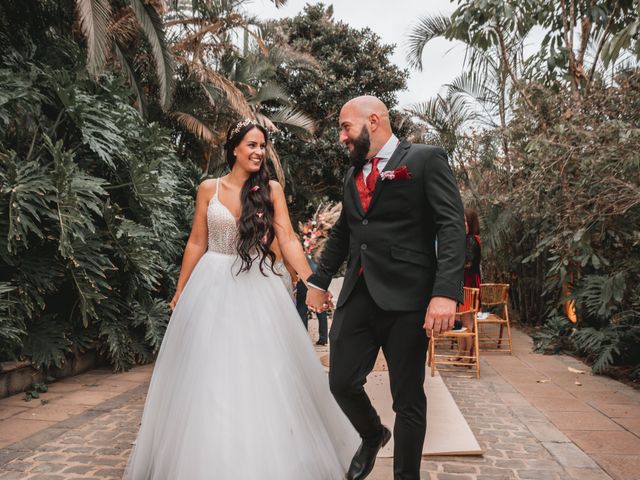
x=321, y=342
x=364, y=459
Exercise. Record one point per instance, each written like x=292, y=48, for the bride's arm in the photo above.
x=287, y=240
x=197, y=243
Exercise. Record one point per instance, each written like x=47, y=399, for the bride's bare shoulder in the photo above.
x=275, y=186
x=207, y=188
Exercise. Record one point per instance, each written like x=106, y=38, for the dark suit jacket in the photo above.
x=395, y=240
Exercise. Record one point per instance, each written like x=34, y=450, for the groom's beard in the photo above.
x=361, y=146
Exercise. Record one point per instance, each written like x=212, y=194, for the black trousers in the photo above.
x=360, y=328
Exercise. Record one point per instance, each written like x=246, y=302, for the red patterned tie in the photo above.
x=365, y=190
x=372, y=178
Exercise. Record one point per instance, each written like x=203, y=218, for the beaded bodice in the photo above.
x=222, y=226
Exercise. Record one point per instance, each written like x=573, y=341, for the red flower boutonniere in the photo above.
x=400, y=173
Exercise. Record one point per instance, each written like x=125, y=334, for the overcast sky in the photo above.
x=391, y=20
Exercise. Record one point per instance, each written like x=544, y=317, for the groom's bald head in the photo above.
x=364, y=118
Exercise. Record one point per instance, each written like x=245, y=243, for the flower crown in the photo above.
x=241, y=124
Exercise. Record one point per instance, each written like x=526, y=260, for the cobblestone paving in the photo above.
x=95, y=444
x=511, y=449
x=519, y=441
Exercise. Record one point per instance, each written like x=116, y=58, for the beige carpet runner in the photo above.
x=447, y=430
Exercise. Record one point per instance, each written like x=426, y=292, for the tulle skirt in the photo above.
x=237, y=391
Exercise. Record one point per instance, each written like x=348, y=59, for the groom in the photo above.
x=400, y=201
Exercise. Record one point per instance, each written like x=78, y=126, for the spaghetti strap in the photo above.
x=216, y=196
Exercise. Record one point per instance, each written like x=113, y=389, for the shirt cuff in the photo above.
x=316, y=287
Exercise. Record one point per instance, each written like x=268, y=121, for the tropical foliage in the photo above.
x=94, y=206
x=111, y=111
x=545, y=143
x=349, y=62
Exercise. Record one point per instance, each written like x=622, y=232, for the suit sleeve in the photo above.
x=448, y=214
x=334, y=254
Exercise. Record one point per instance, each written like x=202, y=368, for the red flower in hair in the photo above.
x=255, y=188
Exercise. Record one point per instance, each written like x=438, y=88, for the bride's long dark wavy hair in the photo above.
x=255, y=228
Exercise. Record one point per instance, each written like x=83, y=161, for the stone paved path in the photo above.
x=529, y=430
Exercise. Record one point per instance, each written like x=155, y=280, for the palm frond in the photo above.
x=153, y=29
x=197, y=127
x=271, y=92
x=95, y=16
x=476, y=92
x=266, y=122
x=124, y=27
x=472, y=85
x=283, y=54
x=499, y=226
x=257, y=37
x=292, y=117
x=192, y=40
x=128, y=70
x=236, y=98
x=443, y=113
x=426, y=30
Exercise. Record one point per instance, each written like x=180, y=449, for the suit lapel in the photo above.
x=353, y=191
x=399, y=153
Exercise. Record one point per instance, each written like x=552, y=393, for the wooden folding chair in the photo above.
x=495, y=295
x=441, y=345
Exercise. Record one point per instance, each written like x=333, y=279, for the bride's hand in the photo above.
x=174, y=300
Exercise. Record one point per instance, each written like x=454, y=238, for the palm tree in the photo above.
x=489, y=71
x=441, y=120
x=110, y=31
x=228, y=72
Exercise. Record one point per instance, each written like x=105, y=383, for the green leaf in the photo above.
x=27, y=192
x=46, y=343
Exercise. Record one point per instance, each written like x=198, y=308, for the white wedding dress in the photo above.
x=237, y=391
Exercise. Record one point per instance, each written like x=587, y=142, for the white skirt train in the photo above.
x=237, y=391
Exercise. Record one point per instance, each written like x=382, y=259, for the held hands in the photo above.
x=440, y=316
x=317, y=300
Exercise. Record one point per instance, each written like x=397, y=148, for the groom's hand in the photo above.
x=317, y=300
x=441, y=314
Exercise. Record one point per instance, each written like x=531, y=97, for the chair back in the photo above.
x=494, y=293
x=471, y=301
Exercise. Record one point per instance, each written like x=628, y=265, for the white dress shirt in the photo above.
x=384, y=155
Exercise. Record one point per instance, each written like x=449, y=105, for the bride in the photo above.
x=237, y=391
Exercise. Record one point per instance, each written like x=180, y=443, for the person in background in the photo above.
x=471, y=270
x=472, y=252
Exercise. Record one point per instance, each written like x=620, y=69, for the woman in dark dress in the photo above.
x=471, y=271
x=472, y=252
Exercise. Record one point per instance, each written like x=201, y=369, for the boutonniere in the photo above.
x=400, y=173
